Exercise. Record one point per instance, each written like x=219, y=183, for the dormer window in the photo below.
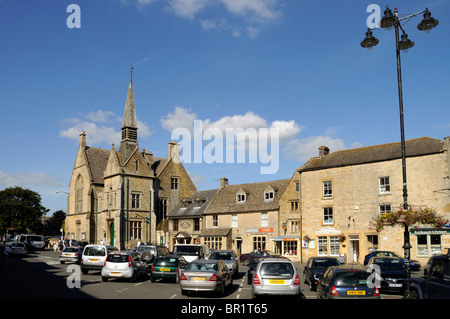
x=241, y=196
x=269, y=193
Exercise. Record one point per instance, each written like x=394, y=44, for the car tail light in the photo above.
x=152, y=268
x=129, y=261
x=256, y=280
x=183, y=277
x=333, y=291
x=377, y=292
x=60, y=253
x=213, y=278
x=297, y=281
x=77, y=254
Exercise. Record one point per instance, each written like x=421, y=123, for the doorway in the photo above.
x=353, y=254
x=111, y=234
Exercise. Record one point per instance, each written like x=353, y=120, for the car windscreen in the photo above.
x=168, y=262
x=35, y=238
x=202, y=266
x=221, y=255
x=276, y=269
x=143, y=249
x=18, y=245
x=94, y=251
x=117, y=258
x=325, y=263
x=352, y=278
x=186, y=250
x=387, y=263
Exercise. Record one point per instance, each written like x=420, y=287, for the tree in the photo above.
x=54, y=224
x=20, y=211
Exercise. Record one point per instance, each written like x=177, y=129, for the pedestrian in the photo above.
x=56, y=245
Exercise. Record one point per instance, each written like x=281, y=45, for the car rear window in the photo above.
x=186, y=250
x=117, y=258
x=352, y=278
x=94, y=251
x=21, y=245
x=325, y=263
x=276, y=269
x=71, y=250
x=169, y=262
x=221, y=256
x=202, y=266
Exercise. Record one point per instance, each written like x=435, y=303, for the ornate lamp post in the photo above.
x=388, y=22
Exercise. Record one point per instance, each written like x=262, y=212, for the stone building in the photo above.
x=243, y=217
x=341, y=193
x=120, y=196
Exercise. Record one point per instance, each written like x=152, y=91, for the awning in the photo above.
x=219, y=232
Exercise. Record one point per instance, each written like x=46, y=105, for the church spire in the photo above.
x=129, y=124
x=129, y=141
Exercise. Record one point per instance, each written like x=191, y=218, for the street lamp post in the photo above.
x=388, y=22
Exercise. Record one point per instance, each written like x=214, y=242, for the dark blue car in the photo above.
x=413, y=264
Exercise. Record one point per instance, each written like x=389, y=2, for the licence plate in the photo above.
x=164, y=269
x=276, y=282
x=395, y=285
x=356, y=292
x=198, y=278
x=94, y=260
x=115, y=273
x=68, y=255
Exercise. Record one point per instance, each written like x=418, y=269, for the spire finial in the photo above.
x=131, y=74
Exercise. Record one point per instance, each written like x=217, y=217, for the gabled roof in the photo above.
x=225, y=200
x=97, y=158
x=377, y=153
x=192, y=210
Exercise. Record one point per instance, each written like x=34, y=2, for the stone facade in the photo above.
x=342, y=192
x=120, y=196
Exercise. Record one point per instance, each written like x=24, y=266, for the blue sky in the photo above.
x=297, y=65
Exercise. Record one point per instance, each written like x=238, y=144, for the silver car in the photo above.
x=16, y=248
x=230, y=259
x=275, y=276
x=94, y=256
x=71, y=254
x=124, y=264
x=205, y=275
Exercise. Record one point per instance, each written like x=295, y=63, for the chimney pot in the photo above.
x=323, y=150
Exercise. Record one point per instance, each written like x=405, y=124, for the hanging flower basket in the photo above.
x=410, y=217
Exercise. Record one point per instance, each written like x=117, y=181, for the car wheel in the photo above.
x=246, y=261
x=104, y=279
x=62, y=262
x=311, y=286
x=413, y=295
x=134, y=277
x=84, y=271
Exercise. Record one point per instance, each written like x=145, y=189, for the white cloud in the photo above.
x=184, y=118
x=305, y=148
x=188, y=8
x=23, y=179
x=256, y=9
x=101, y=127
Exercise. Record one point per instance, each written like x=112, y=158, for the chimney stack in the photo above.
x=223, y=182
x=83, y=140
x=323, y=150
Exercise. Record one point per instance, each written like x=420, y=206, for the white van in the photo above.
x=94, y=257
x=191, y=252
x=33, y=242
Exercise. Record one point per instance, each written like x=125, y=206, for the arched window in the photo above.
x=79, y=194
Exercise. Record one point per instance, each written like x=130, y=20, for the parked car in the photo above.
x=150, y=252
x=124, y=264
x=435, y=282
x=33, y=242
x=315, y=267
x=413, y=264
x=205, y=275
x=275, y=276
x=229, y=258
x=392, y=272
x=346, y=281
x=71, y=254
x=251, y=270
x=16, y=248
x=191, y=252
x=167, y=267
x=94, y=257
x=247, y=258
x=77, y=243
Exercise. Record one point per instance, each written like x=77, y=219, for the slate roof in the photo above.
x=192, y=210
x=97, y=159
x=377, y=153
x=225, y=200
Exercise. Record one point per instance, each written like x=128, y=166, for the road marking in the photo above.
x=173, y=296
x=122, y=290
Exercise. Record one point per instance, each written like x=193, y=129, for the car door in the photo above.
x=140, y=265
x=323, y=283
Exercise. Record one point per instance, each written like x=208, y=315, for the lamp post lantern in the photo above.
x=388, y=22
